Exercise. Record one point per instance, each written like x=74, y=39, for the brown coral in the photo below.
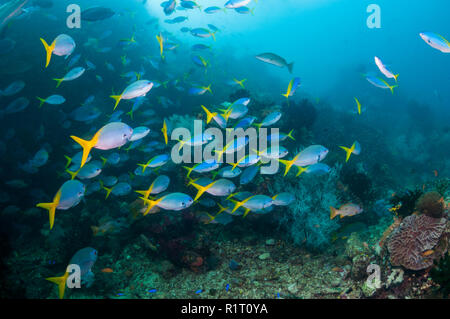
x=431, y=204
x=415, y=236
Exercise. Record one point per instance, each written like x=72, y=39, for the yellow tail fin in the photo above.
x=288, y=165
x=104, y=160
x=220, y=153
x=189, y=169
x=181, y=144
x=69, y=160
x=209, y=115
x=49, y=49
x=58, y=82
x=348, y=152
x=396, y=76
x=150, y=203
x=236, y=205
x=51, y=207
x=333, y=212
x=108, y=191
x=301, y=170
x=392, y=88
x=146, y=193
x=61, y=282
x=87, y=147
x=73, y=174
x=42, y=101
x=290, y=135
x=117, y=98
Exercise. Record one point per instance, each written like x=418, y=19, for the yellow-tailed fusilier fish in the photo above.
x=63, y=45
x=88, y=171
x=156, y=161
x=253, y=203
x=204, y=167
x=309, y=156
x=233, y=146
x=172, y=201
x=203, y=33
x=354, y=149
x=134, y=90
x=235, y=82
x=159, y=185
x=283, y=199
x=112, y=135
x=270, y=119
x=436, y=41
x=53, y=100
x=161, y=44
x=68, y=196
x=220, y=187
x=218, y=118
x=294, y=84
x=71, y=75
x=85, y=258
x=385, y=70
x=378, y=82
x=233, y=4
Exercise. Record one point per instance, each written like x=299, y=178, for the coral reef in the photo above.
x=441, y=275
x=307, y=221
x=411, y=244
x=404, y=203
x=298, y=115
x=359, y=184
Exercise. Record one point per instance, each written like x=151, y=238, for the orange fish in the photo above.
x=107, y=270
x=349, y=209
x=427, y=252
x=435, y=173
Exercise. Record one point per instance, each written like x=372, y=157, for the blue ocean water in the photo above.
x=355, y=93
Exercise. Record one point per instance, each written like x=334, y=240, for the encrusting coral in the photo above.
x=411, y=245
